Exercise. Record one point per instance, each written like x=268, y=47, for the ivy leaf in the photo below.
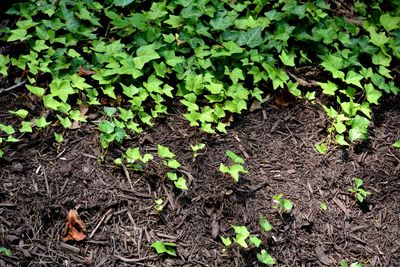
x=340, y=140
x=22, y=113
x=18, y=35
x=226, y=241
x=252, y=38
x=223, y=20
x=241, y=235
x=235, y=158
x=4, y=60
x=255, y=241
x=359, y=127
x=321, y=148
x=266, y=258
x=61, y=88
x=373, y=95
x=388, y=22
x=266, y=226
x=106, y=127
x=25, y=127
x=378, y=39
x=38, y=91
x=164, y=152
x=180, y=183
x=164, y=247
x=122, y=3
x=397, y=144
x=145, y=54
x=328, y=88
x=354, y=78
x=287, y=59
x=42, y=123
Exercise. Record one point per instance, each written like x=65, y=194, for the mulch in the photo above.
x=42, y=180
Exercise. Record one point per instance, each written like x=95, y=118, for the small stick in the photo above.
x=135, y=260
x=127, y=175
x=100, y=222
x=70, y=248
x=46, y=183
x=12, y=87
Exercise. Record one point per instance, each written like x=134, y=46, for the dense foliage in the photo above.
x=214, y=57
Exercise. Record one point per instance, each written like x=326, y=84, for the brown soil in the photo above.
x=41, y=181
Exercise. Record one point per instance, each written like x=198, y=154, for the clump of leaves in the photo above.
x=5, y=251
x=170, y=161
x=397, y=144
x=235, y=169
x=282, y=204
x=164, y=247
x=344, y=263
x=358, y=190
x=159, y=204
x=134, y=159
x=196, y=148
x=266, y=258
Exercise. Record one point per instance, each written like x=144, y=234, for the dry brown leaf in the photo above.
x=83, y=72
x=74, y=227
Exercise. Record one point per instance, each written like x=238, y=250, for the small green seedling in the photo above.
x=236, y=168
x=282, y=204
x=5, y=251
x=179, y=181
x=159, y=204
x=196, y=148
x=358, y=190
x=242, y=237
x=265, y=225
x=344, y=263
x=397, y=144
x=172, y=163
x=266, y=258
x=164, y=247
x=323, y=206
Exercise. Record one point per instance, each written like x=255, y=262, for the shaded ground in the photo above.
x=41, y=181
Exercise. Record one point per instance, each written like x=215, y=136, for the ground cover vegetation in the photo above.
x=124, y=64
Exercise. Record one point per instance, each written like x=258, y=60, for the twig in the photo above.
x=100, y=222
x=12, y=87
x=135, y=260
x=127, y=175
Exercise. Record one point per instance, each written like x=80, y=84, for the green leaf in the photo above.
x=5, y=251
x=226, y=241
x=358, y=182
x=381, y=59
x=321, y=148
x=266, y=226
x=235, y=158
x=359, y=127
x=373, y=95
x=4, y=60
x=241, y=235
x=255, y=241
x=122, y=3
x=61, y=88
x=110, y=111
x=50, y=102
x=22, y=113
x=8, y=129
x=328, y=88
x=58, y=137
x=164, y=247
x=389, y=23
x=266, y=258
x=397, y=144
x=164, y=152
x=378, y=39
x=38, y=91
x=42, y=123
x=252, y=38
x=173, y=163
x=180, y=183
x=287, y=59
x=340, y=140
x=145, y=54
x=354, y=78
x=25, y=127
x=106, y=127
x=223, y=20
x=18, y=35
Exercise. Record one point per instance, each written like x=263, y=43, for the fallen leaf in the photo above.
x=74, y=227
x=83, y=72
